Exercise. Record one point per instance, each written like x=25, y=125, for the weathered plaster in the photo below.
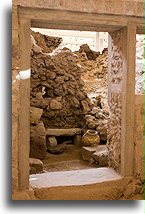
x=139, y=129
x=115, y=99
x=115, y=7
x=15, y=99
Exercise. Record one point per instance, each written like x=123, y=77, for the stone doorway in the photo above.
x=122, y=42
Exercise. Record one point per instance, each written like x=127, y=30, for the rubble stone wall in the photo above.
x=57, y=88
x=47, y=43
x=139, y=64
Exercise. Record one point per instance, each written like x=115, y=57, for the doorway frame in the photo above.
x=68, y=20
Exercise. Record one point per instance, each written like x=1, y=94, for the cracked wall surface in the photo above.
x=115, y=100
x=125, y=7
x=139, y=146
x=15, y=98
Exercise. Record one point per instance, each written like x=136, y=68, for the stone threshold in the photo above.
x=73, y=178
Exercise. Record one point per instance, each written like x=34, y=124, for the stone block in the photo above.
x=51, y=141
x=35, y=115
x=57, y=149
x=38, y=141
x=101, y=155
x=36, y=165
x=87, y=152
x=54, y=104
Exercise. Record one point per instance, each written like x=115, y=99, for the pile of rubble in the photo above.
x=57, y=88
x=47, y=43
x=95, y=75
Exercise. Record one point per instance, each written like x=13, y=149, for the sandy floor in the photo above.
x=70, y=159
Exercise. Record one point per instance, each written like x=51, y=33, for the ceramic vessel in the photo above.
x=91, y=138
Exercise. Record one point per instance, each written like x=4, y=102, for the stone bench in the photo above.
x=76, y=133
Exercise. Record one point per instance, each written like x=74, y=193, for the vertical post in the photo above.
x=24, y=124
x=128, y=101
x=121, y=96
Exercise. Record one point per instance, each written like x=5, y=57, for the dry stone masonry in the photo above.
x=59, y=99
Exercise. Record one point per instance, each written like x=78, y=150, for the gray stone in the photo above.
x=101, y=155
x=38, y=141
x=87, y=152
x=36, y=165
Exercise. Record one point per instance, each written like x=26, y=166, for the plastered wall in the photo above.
x=123, y=7
x=115, y=99
x=15, y=98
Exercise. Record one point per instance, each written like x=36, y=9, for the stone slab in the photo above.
x=74, y=177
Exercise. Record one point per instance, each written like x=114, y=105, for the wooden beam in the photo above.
x=63, y=132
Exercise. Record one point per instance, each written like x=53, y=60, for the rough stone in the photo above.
x=87, y=152
x=47, y=43
x=38, y=141
x=101, y=155
x=102, y=130
x=94, y=111
x=56, y=105
x=91, y=55
x=35, y=115
x=85, y=105
x=36, y=165
x=57, y=149
x=51, y=141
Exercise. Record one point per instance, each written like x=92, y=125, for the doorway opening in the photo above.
x=69, y=109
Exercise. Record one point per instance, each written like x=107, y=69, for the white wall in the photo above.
x=97, y=41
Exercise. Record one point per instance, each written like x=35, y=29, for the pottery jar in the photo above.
x=91, y=138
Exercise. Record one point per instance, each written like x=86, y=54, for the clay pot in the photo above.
x=91, y=138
